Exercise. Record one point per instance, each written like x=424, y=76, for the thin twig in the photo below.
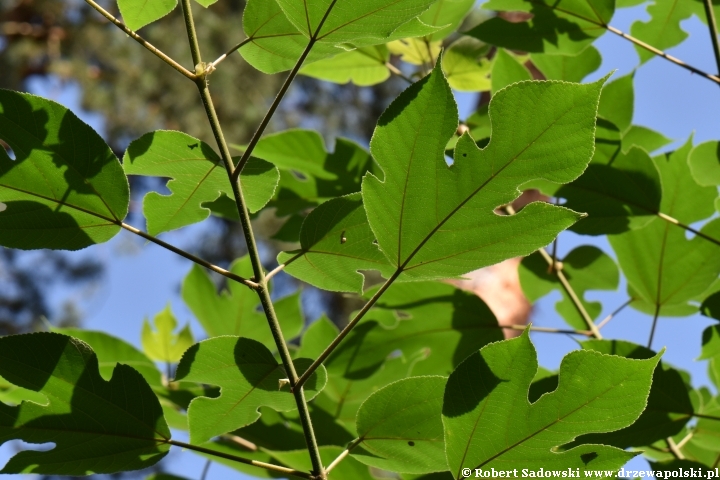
x=268, y=116
x=662, y=54
x=206, y=468
x=343, y=454
x=674, y=449
x=393, y=69
x=615, y=312
x=707, y=417
x=246, y=444
x=712, y=26
x=345, y=331
x=222, y=57
x=533, y=328
x=573, y=296
x=191, y=257
x=142, y=41
x=235, y=458
x=567, y=287
x=654, y=324
x=685, y=439
x=677, y=222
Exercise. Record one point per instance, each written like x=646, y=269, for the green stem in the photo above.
x=268, y=116
x=189, y=256
x=142, y=41
x=345, y=331
x=258, y=270
x=712, y=26
x=266, y=466
x=654, y=325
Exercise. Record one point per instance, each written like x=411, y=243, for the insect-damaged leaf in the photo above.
x=198, y=176
x=489, y=422
x=435, y=221
x=97, y=426
x=400, y=427
x=65, y=189
x=248, y=376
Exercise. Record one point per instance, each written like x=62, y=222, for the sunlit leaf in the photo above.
x=663, y=30
x=197, y=176
x=435, y=221
x=571, y=68
x=643, y=137
x=705, y=163
x=97, y=426
x=507, y=70
x=617, y=101
x=248, y=376
x=489, y=422
x=65, y=189
x=163, y=344
x=586, y=268
x=363, y=67
x=236, y=310
x=400, y=427
x=138, y=13
x=448, y=14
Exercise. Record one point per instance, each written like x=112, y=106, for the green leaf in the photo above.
x=322, y=175
x=14, y=395
x=711, y=306
x=363, y=67
x=448, y=14
x=443, y=322
x=164, y=345
x=138, y=13
x=248, y=376
x=466, y=67
x=65, y=189
x=617, y=102
x=112, y=351
x=415, y=50
x=643, y=137
x=335, y=243
x=236, y=310
x=586, y=268
x=489, y=422
x=559, y=27
x=571, y=68
x=618, y=192
x=705, y=163
x=668, y=409
x=462, y=232
x=507, y=70
x=197, y=176
x=349, y=21
x=400, y=427
x=276, y=45
x=96, y=426
x=710, y=343
x=663, y=30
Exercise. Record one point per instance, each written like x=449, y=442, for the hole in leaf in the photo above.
x=299, y=175
x=8, y=150
x=411, y=443
x=11, y=448
x=464, y=154
x=3, y=207
x=193, y=146
x=449, y=160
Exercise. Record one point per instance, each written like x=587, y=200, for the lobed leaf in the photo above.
x=557, y=27
x=400, y=427
x=163, y=344
x=248, y=376
x=97, y=426
x=236, y=310
x=489, y=422
x=663, y=30
x=198, y=176
x=434, y=221
x=65, y=189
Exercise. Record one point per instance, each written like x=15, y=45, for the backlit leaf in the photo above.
x=586, y=268
x=435, y=221
x=138, y=13
x=558, y=27
x=236, y=310
x=507, y=70
x=163, y=344
x=65, y=189
x=705, y=163
x=197, y=176
x=248, y=376
x=643, y=137
x=363, y=67
x=571, y=68
x=489, y=422
x=617, y=101
x=400, y=427
x=448, y=14
x=663, y=30
x=97, y=426
x=465, y=67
